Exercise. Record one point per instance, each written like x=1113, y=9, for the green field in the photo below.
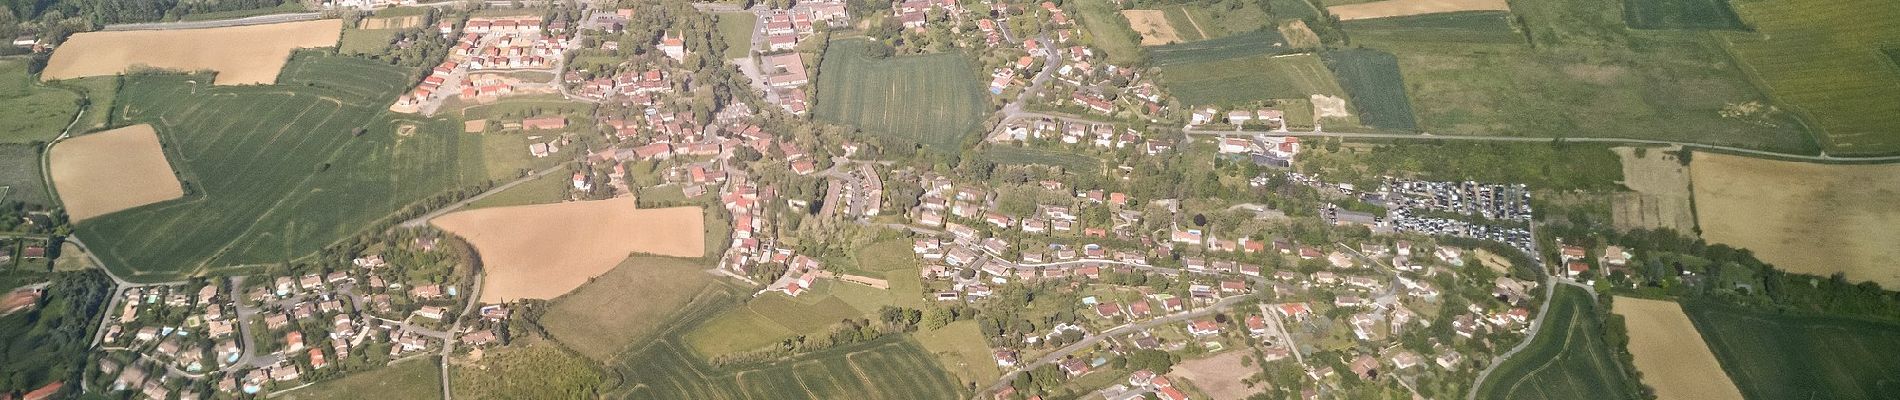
x=1185, y=26
x=1458, y=27
x=617, y=309
x=772, y=317
x=20, y=174
x=1377, y=88
x=1780, y=356
x=548, y=189
x=735, y=29
x=32, y=112
x=366, y=41
x=276, y=172
x=1681, y=14
x=1823, y=59
x=1008, y=155
x=1108, y=30
x=528, y=368
x=1215, y=20
x=962, y=350
x=1567, y=360
x=881, y=369
x=101, y=92
x=1246, y=80
x=1256, y=43
x=411, y=379
x=1285, y=10
x=935, y=100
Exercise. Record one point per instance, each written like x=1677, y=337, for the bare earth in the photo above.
x=403, y=22
x=110, y=171
x=1670, y=353
x=242, y=55
x=1218, y=376
x=1153, y=27
x=1661, y=192
x=1400, y=8
x=1803, y=217
x=545, y=250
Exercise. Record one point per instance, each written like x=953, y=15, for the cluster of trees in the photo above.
x=104, y=12
x=1730, y=275
x=18, y=216
x=49, y=342
x=1555, y=165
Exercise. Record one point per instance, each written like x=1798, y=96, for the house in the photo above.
x=1005, y=357
x=1108, y=310
x=673, y=46
x=1256, y=325
x=1075, y=367
x=1238, y=117
x=1203, y=327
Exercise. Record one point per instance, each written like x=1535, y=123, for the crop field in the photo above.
x=32, y=112
x=1681, y=14
x=1294, y=9
x=1458, y=27
x=1659, y=192
x=241, y=55
x=1671, y=357
x=881, y=369
x=276, y=172
x=605, y=316
x=527, y=368
x=1188, y=26
x=1256, y=43
x=1802, y=217
x=545, y=250
x=1823, y=60
x=20, y=175
x=934, y=100
x=735, y=28
x=1376, y=86
x=110, y=171
x=412, y=379
x=1156, y=29
x=1401, y=8
x=1107, y=30
x=1567, y=360
x=365, y=41
x=1786, y=356
x=962, y=350
x=1250, y=79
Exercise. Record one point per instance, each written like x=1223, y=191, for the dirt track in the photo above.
x=242, y=55
x=543, y=251
x=1670, y=353
x=110, y=171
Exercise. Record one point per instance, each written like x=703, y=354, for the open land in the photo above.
x=1153, y=27
x=1681, y=14
x=101, y=93
x=241, y=55
x=935, y=100
x=32, y=112
x=1804, y=218
x=1792, y=356
x=1493, y=27
x=529, y=368
x=735, y=28
x=276, y=172
x=542, y=251
x=1823, y=60
x=365, y=41
x=411, y=379
x=391, y=22
x=1250, y=79
x=1671, y=356
x=1219, y=376
x=962, y=350
x=1255, y=43
x=1567, y=360
x=110, y=171
x=882, y=369
x=1377, y=89
x=624, y=306
x=1107, y=30
x=547, y=189
x=1659, y=197
x=20, y=175
x=1400, y=8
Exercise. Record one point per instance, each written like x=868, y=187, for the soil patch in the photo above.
x=1660, y=197
x=110, y=171
x=241, y=55
x=1672, y=356
x=545, y=250
x=1153, y=27
x=1400, y=8
x=1218, y=376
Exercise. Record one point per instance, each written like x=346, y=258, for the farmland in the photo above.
x=1372, y=79
x=934, y=100
x=1250, y=79
x=1681, y=14
x=32, y=112
x=1795, y=356
x=962, y=350
x=1220, y=376
x=881, y=369
x=1568, y=358
x=547, y=189
x=1156, y=29
x=529, y=368
x=1802, y=217
x=20, y=175
x=411, y=379
x=605, y=316
x=1256, y=43
x=110, y=171
x=1822, y=59
x=1106, y=29
x=545, y=250
x=240, y=55
x=276, y=172
x=1659, y=191
x=1460, y=27
x=1401, y=8
x=1672, y=359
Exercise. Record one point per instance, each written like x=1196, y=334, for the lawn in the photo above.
x=1788, y=356
x=275, y=172
x=1377, y=88
x=1681, y=14
x=410, y=379
x=20, y=174
x=1108, y=30
x=1822, y=59
x=735, y=29
x=961, y=349
x=32, y=112
x=1567, y=360
x=548, y=189
x=617, y=309
x=1240, y=81
x=935, y=100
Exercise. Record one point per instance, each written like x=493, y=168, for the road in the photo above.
x=420, y=221
x=1090, y=340
x=1611, y=140
x=1550, y=290
x=257, y=20
x=1014, y=110
x=448, y=340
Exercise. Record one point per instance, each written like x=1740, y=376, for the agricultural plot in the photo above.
x=1787, y=356
x=543, y=251
x=1183, y=19
x=1377, y=89
x=1802, y=217
x=548, y=189
x=1568, y=358
x=1256, y=43
x=527, y=368
x=1460, y=27
x=1822, y=59
x=365, y=41
x=1250, y=79
x=882, y=369
x=32, y=112
x=962, y=350
x=1681, y=14
x=1219, y=376
x=392, y=22
x=1155, y=28
x=1671, y=357
x=106, y=172
x=275, y=172
x=1659, y=191
x=241, y=55
x=412, y=379
x=605, y=316
x=20, y=175
x=935, y=100
x=1106, y=29
x=1401, y=8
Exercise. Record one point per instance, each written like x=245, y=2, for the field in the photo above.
x=32, y=112
x=392, y=22
x=1250, y=79
x=1219, y=376
x=1671, y=357
x=548, y=189
x=241, y=55
x=110, y=171
x=605, y=316
x=1801, y=217
x=1822, y=59
x=1372, y=79
x=1778, y=356
x=542, y=251
x=1681, y=14
x=1567, y=360
x=20, y=175
x=1106, y=29
x=773, y=316
x=527, y=368
x=1401, y=8
x=366, y=41
x=1459, y=27
x=411, y=379
x=1256, y=43
x=1188, y=27
x=735, y=28
x=962, y=350
x=101, y=92
x=881, y=369
x=1154, y=27
x=1659, y=196
x=935, y=100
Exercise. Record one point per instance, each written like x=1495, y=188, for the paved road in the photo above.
x=424, y=219
x=448, y=340
x=257, y=20
x=1090, y=340
x=1014, y=110
x=1363, y=135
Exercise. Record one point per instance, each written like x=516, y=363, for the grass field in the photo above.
x=1659, y=192
x=735, y=28
x=365, y=41
x=936, y=100
x=250, y=54
x=1681, y=14
x=1567, y=360
x=1376, y=87
x=1071, y=162
x=773, y=316
x=275, y=171
x=1676, y=363
x=528, y=368
x=1187, y=24
x=32, y=112
x=961, y=349
x=1777, y=356
x=605, y=316
x=1802, y=217
x=1823, y=59
x=1459, y=27
x=548, y=189
x=411, y=379
x=20, y=174
x=1250, y=79
x=882, y=369
x=1256, y=43
x=101, y=92
x=1107, y=30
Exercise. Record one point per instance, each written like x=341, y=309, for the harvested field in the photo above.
x=1802, y=217
x=543, y=251
x=109, y=171
x=1219, y=376
x=241, y=55
x=402, y=22
x=1153, y=27
x=1400, y=8
x=1669, y=352
x=1661, y=191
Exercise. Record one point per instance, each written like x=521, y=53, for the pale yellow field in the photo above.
x=1400, y=8
x=1153, y=27
x=1219, y=376
x=1670, y=353
x=545, y=250
x=403, y=22
x=114, y=170
x=1803, y=217
x=1299, y=36
x=241, y=55
x=1661, y=192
